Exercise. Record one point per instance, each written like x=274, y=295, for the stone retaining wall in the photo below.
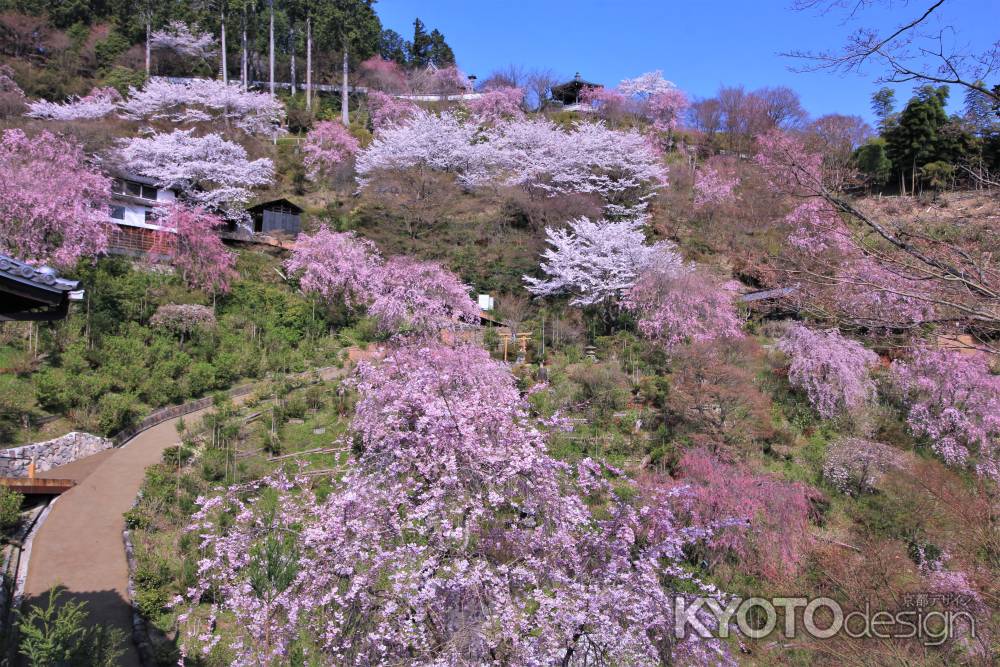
x=51, y=453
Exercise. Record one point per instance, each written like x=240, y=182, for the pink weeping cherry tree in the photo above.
x=328, y=145
x=402, y=294
x=677, y=304
x=420, y=298
x=832, y=370
x=498, y=104
x=53, y=205
x=336, y=265
x=386, y=110
x=452, y=538
x=712, y=186
x=189, y=240
x=953, y=400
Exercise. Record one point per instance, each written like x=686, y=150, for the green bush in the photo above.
x=151, y=602
x=57, y=634
x=108, y=49
x=137, y=519
x=115, y=412
x=10, y=508
x=121, y=78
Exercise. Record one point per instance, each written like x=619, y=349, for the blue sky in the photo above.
x=699, y=45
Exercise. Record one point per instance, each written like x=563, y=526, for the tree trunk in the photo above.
x=309, y=62
x=271, y=51
x=343, y=94
x=148, y=54
x=225, y=64
x=244, y=71
x=291, y=60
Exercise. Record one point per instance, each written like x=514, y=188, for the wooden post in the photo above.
x=309, y=62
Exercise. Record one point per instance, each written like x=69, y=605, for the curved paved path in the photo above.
x=80, y=544
x=80, y=547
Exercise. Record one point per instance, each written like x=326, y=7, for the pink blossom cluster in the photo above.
x=620, y=167
x=208, y=170
x=498, y=104
x=380, y=75
x=953, y=400
x=598, y=261
x=183, y=318
x=834, y=371
x=856, y=465
x=402, y=294
x=648, y=96
x=180, y=39
x=190, y=240
x=201, y=100
x=452, y=538
x=608, y=102
x=327, y=145
x=53, y=205
x=677, y=304
x=98, y=103
x=760, y=519
x=336, y=265
x=712, y=187
x=385, y=110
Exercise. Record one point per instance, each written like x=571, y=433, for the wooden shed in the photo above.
x=278, y=216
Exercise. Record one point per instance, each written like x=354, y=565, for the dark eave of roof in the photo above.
x=280, y=200
x=24, y=289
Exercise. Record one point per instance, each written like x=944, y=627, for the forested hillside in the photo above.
x=735, y=350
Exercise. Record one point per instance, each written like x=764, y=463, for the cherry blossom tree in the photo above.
x=336, y=265
x=53, y=205
x=421, y=298
x=383, y=75
x=204, y=100
x=403, y=295
x=666, y=109
x=425, y=141
x=98, y=103
x=183, y=41
x=208, y=170
x=453, y=538
x=953, y=400
x=598, y=262
x=712, y=187
x=646, y=85
x=497, y=104
x=384, y=109
x=763, y=521
x=856, y=466
x=622, y=168
x=676, y=304
x=189, y=240
x=610, y=104
x=327, y=146
x=834, y=371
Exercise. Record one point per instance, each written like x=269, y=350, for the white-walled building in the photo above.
x=133, y=200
